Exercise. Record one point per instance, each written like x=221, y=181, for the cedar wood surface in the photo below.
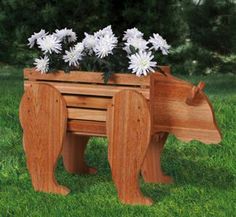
x=43, y=118
x=73, y=154
x=128, y=131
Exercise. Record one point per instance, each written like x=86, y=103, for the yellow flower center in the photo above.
x=144, y=63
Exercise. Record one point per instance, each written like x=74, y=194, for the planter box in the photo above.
x=60, y=111
x=87, y=97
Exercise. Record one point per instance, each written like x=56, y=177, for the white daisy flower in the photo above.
x=200, y=2
x=105, y=31
x=72, y=57
x=49, y=44
x=138, y=43
x=105, y=45
x=89, y=42
x=132, y=33
x=141, y=64
x=64, y=34
x=159, y=43
x=42, y=64
x=35, y=37
x=79, y=47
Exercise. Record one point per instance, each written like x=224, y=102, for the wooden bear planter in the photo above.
x=60, y=111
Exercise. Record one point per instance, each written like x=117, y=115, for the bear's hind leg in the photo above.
x=73, y=154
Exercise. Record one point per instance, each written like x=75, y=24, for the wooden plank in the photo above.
x=93, y=128
x=43, y=118
x=87, y=101
x=86, y=114
x=90, y=89
x=90, y=77
x=128, y=129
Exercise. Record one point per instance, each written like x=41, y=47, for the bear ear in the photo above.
x=201, y=85
x=194, y=92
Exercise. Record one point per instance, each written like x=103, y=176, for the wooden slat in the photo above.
x=90, y=77
x=93, y=128
x=87, y=101
x=90, y=89
x=86, y=114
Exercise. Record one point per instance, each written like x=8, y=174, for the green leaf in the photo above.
x=106, y=76
x=133, y=49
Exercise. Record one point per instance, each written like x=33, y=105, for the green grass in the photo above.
x=205, y=175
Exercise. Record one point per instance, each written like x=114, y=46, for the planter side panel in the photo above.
x=90, y=77
x=87, y=97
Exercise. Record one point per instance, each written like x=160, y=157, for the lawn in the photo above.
x=205, y=175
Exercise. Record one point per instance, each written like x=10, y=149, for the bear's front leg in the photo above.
x=151, y=168
x=128, y=129
x=43, y=116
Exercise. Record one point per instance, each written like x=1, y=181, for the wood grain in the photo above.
x=151, y=168
x=43, y=117
x=86, y=114
x=90, y=89
x=171, y=113
x=92, y=128
x=129, y=136
x=90, y=77
x=73, y=154
x=87, y=101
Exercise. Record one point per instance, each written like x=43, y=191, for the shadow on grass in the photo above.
x=198, y=173
x=84, y=182
x=184, y=171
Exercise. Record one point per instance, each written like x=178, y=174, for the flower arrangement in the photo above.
x=100, y=51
